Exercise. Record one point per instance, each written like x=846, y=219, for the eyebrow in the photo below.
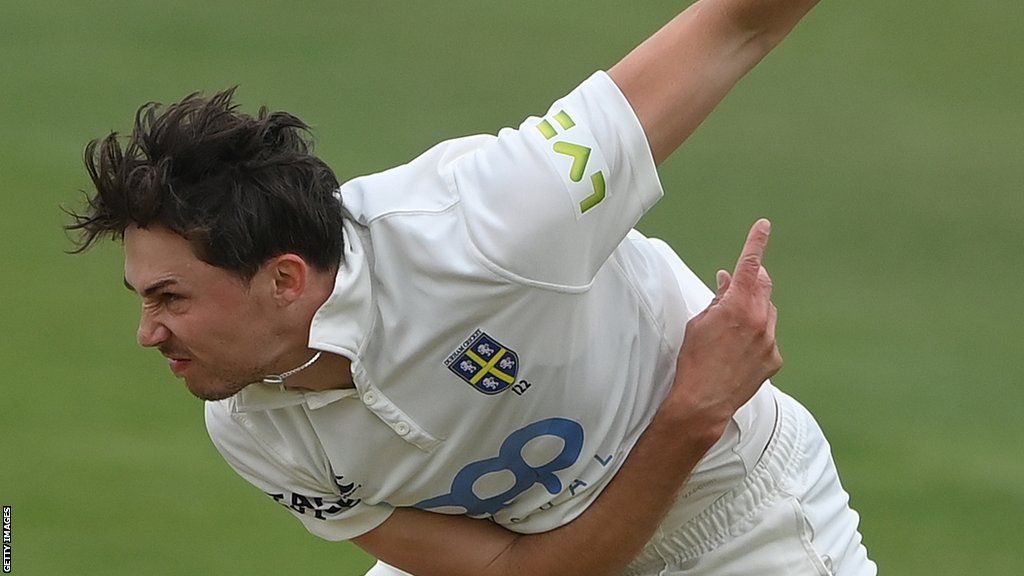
x=149, y=290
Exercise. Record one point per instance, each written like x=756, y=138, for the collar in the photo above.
x=259, y=396
x=339, y=327
x=345, y=318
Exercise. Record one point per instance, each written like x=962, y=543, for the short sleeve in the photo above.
x=548, y=202
x=296, y=476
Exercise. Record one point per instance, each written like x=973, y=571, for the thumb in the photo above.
x=723, y=279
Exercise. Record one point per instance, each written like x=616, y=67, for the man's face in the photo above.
x=215, y=330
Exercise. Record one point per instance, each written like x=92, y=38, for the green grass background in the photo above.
x=883, y=138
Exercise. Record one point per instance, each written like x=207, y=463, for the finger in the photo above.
x=773, y=319
x=723, y=279
x=764, y=281
x=749, y=264
x=776, y=355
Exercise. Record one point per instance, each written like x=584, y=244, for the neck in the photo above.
x=330, y=371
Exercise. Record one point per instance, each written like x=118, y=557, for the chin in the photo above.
x=213, y=391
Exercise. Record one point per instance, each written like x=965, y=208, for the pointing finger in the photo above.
x=749, y=265
x=765, y=281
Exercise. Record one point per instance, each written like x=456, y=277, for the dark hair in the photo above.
x=240, y=189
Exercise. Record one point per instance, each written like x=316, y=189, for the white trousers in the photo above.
x=788, y=517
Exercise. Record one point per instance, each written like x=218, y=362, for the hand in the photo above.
x=729, y=349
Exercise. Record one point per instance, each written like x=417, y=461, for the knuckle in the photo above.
x=762, y=333
x=756, y=317
x=751, y=261
x=699, y=318
x=728, y=313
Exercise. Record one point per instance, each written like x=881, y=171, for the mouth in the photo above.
x=178, y=365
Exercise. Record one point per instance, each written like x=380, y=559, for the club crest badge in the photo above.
x=484, y=364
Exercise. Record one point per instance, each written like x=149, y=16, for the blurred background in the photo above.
x=883, y=138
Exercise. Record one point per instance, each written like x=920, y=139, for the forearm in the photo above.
x=622, y=520
x=676, y=77
x=603, y=540
x=729, y=351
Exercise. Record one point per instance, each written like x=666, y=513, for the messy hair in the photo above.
x=240, y=189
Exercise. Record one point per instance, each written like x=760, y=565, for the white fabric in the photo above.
x=789, y=516
x=520, y=244
x=382, y=569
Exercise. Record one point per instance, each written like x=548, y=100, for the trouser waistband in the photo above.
x=731, y=514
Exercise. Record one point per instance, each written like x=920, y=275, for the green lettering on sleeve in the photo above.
x=546, y=129
x=580, y=155
x=564, y=120
x=597, y=179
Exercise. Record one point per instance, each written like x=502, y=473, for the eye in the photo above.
x=170, y=299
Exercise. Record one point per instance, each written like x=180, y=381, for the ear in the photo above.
x=289, y=275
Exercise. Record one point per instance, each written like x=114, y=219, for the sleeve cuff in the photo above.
x=350, y=527
x=643, y=169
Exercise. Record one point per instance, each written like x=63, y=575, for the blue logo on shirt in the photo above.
x=484, y=364
x=510, y=459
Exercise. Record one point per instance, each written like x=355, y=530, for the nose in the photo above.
x=151, y=332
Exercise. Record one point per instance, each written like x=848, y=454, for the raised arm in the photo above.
x=728, y=352
x=676, y=77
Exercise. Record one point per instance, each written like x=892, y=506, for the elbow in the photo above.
x=766, y=24
x=524, y=558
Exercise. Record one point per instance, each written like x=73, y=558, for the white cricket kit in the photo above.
x=510, y=337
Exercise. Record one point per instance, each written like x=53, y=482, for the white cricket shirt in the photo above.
x=510, y=336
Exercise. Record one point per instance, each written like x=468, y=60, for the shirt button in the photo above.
x=402, y=428
x=369, y=398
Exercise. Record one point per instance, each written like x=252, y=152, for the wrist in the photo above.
x=688, y=425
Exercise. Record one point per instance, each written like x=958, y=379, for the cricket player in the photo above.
x=471, y=364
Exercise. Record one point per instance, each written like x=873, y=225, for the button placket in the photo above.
x=400, y=423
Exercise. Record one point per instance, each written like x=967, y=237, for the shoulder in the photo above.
x=277, y=454
x=422, y=185
x=596, y=111
x=269, y=448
